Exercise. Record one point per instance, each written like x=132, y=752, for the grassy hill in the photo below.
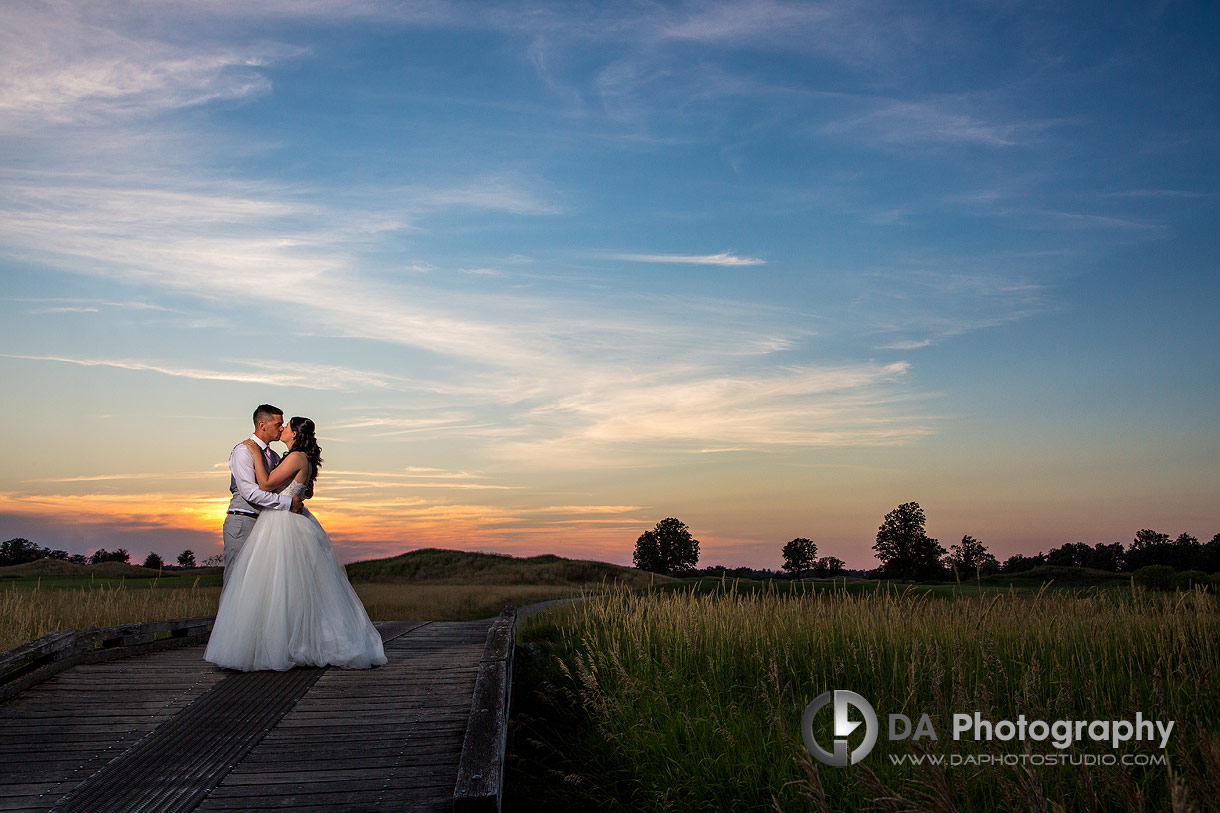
x=437, y=566
x=1060, y=577
x=53, y=574
x=56, y=567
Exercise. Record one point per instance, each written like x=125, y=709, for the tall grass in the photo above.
x=29, y=613
x=26, y=614
x=682, y=701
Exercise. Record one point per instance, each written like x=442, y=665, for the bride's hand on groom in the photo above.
x=252, y=446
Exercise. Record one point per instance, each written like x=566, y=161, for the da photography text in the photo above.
x=1061, y=734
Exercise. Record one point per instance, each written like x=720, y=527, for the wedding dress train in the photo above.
x=287, y=602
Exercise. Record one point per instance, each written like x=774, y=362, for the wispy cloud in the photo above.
x=910, y=344
x=315, y=376
x=61, y=64
x=1088, y=220
x=94, y=478
x=1159, y=193
x=724, y=258
x=503, y=193
x=750, y=20
x=688, y=410
x=943, y=121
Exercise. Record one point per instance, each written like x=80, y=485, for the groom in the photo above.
x=248, y=499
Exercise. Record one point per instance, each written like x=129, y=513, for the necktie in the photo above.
x=269, y=457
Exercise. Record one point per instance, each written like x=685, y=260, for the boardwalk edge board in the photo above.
x=480, y=779
x=32, y=663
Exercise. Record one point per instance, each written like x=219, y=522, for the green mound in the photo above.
x=1059, y=575
x=437, y=566
x=57, y=567
x=44, y=567
x=122, y=569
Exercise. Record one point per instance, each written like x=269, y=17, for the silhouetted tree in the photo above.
x=668, y=548
x=904, y=548
x=970, y=557
x=1148, y=539
x=1019, y=562
x=154, y=561
x=18, y=551
x=215, y=560
x=1211, y=555
x=1187, y=553
x=828, y=567
x=1152, y=548
x=116, y=555
x=186, y=558
x=799, y=556
x=1107, y=557
x=1069, y=554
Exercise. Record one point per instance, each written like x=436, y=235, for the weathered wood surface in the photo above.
x=383, y=739
x=33, y=663
x=480, y=776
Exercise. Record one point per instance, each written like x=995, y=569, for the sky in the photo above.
x=544, y=274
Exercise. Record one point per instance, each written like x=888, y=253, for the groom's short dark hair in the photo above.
x=265, y=412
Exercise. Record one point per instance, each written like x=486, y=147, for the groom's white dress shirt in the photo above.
x=241, y=465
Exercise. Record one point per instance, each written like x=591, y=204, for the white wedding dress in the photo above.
x=287, y=602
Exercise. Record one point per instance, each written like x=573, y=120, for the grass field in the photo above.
x=691, y=699
x=435, y=585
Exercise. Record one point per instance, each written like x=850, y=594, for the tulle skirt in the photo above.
x=287, y=602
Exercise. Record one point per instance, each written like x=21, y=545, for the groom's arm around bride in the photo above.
x=247, y=498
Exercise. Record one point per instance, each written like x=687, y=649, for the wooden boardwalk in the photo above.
x=168, y=731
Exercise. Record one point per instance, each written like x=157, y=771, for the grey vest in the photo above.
x=238, y=502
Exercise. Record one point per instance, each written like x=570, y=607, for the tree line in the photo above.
x=19, y=550
x=907, y=552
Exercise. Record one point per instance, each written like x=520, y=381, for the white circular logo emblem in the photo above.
x=842, y=756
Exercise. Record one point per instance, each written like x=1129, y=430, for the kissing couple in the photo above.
x=286, y=600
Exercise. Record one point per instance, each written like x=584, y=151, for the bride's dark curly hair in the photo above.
x=306, y=441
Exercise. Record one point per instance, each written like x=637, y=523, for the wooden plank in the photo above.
x=175, y=766
x=355, y=759
x=397, y=720
x=480, y=778
x=321, y=759
x=375, y=775
x=371, y=784
x=421, y=730
x=386, y=739
x=46, y=647
x=30, y=664
x=389, y=799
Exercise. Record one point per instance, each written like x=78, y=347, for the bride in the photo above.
x=287, y=601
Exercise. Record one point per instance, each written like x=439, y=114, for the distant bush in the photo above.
x=1189, y=578
x=1155, y=577
x=1061, y=576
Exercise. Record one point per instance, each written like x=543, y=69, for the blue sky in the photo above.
x=545, y=274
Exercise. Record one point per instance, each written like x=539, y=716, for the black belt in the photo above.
x=242, y=513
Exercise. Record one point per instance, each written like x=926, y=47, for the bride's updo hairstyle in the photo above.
x=306, y=441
